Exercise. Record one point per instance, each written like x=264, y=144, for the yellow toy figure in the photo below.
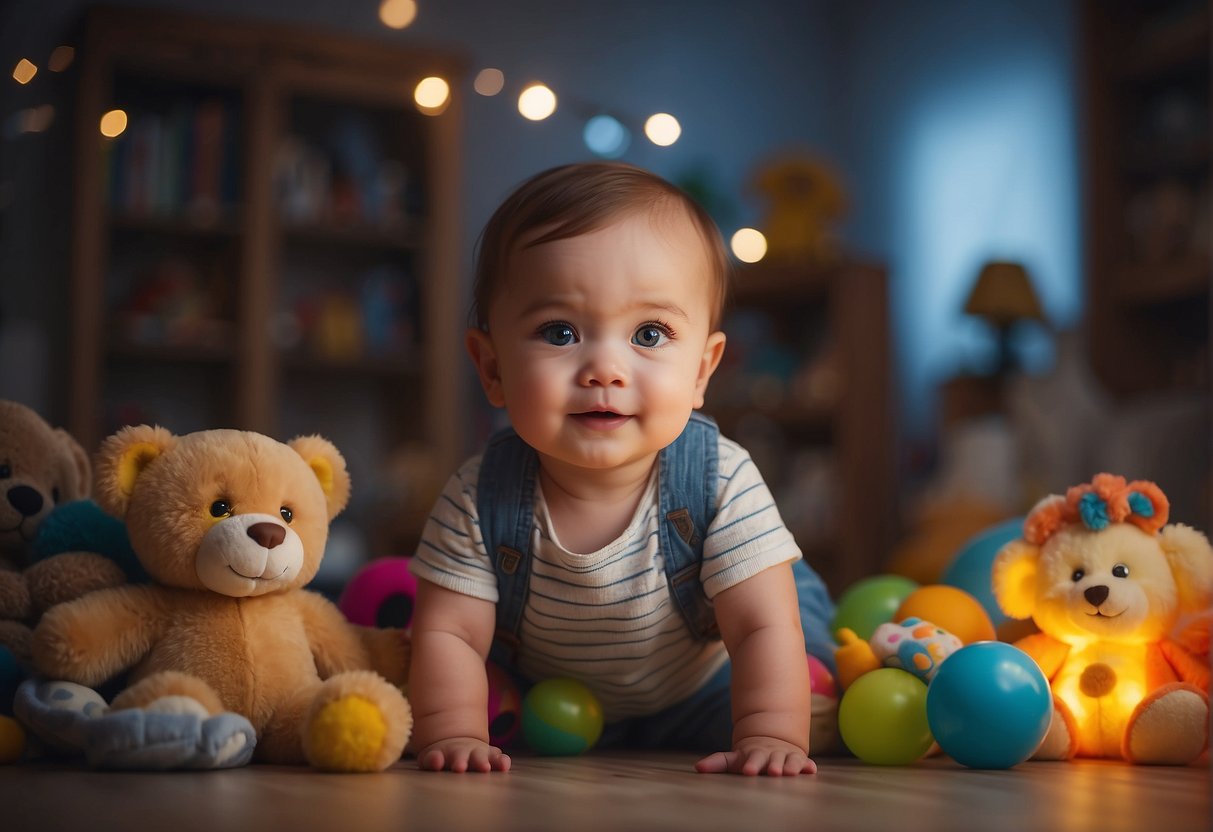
x=803, y=200
x=1106, y=581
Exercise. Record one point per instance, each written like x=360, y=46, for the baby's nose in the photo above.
x=603, y=366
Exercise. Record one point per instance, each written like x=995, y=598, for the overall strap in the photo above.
x=505, y=502
x=687, y=501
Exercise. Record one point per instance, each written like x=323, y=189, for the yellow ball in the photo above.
x=951, y=609
x=12, y=740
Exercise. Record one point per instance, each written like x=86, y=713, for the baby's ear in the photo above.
x=480, y=347
x=712, y=353
x=122, y=459
x=1191, y=560
x=1013, y=578
x=328, y=465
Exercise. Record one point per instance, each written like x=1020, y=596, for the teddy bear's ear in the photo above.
x=1191, y=558
x=328, y=465
x=122, y=458
x=77, y=467
x=1013, y=578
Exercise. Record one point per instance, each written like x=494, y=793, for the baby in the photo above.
x=613, y=536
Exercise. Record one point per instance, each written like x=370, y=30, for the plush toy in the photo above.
x=41, y=470
x=1106, y=581
x=230, y=525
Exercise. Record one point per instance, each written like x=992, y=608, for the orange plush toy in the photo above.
x=1106, y=581
x=230, y=525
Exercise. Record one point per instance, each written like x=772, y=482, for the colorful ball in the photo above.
x=973, y=566
x=821, y=680
x=989, y=706
x=12, y=740
x=505, y=707
x=870, y=602
x=883, y=718
x=381, y=594
x=561, y=717
x=949, y=608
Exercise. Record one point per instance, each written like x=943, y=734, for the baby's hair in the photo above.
x=571, y=200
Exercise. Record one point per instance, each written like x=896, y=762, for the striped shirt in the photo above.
x=606, y=618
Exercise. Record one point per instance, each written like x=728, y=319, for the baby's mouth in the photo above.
x=599, y=414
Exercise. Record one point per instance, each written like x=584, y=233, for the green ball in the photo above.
x=868, y=603
x=883, y=717
x=561, y=718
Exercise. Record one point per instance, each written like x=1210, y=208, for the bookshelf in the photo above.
x=1148, y=194
x=271, y=244
x=805, y=386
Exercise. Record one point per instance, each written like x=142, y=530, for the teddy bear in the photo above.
x=43, y=471
x=1108, y=582
x=230, y=525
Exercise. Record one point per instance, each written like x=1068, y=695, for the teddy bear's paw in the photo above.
x=1168, y=727
x=358, y=722
x=1061, y=740
x=178, y=705
x=58, y=712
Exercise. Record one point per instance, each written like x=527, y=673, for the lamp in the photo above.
x=1003, y=295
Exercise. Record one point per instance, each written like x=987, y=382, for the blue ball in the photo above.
x=972, y=568
x=989, y=705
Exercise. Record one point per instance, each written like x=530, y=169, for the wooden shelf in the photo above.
x=812, y=386
x=236, y=89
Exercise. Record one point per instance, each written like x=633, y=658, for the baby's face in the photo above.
x=600, y=346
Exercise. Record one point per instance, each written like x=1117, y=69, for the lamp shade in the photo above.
x=1003, y=294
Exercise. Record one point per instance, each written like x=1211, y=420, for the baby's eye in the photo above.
x=1120, y=571
x=221, y=508
x=287, y=514
x=650, y=335
x=557, y=334
x=1078, y=575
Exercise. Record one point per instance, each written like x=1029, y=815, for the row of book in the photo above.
x=183, y=160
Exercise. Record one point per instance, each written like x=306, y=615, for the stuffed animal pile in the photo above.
x=1107, y=581
x=230, y=525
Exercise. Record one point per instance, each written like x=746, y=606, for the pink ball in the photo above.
x=820, y=679
x=381, y=594
x=505, y=706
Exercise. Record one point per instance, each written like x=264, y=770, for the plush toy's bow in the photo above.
x=1106, y=499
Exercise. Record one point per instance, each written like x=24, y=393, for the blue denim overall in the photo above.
x=687, y=500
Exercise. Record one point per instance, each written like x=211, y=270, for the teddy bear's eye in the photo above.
x=1078, y=575
x=287, y=514
x=6, y=470
x=221, y=508
x=1120, y=571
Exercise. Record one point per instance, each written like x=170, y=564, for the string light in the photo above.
x=397, y=14
x=432, y=95
x=113, y=124
x=748, y=245
x=537, y=102
x=489, y=81
x=662, y=129
x=24, y=71
x=61, y=58
x=606, y=136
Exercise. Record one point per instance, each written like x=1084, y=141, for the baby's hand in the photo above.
x=460, y=754
x=759, y=755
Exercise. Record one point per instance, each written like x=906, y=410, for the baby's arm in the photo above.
x=759, y=620
x=448, y=688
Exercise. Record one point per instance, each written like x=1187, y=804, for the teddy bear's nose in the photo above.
x=267, y=535
x=25, y=499
x=1095, y=595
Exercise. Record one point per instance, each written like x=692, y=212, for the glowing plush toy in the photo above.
x=1106, y=581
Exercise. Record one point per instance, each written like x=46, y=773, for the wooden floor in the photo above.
x=645, y=793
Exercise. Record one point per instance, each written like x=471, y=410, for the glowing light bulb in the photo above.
x=397, y=14
x=24, y=71
x=662, y=129
x=432, y=95
x=537, y=102
x=606, y=136
x=749, y=245
x=489, y=81
x=113, y=123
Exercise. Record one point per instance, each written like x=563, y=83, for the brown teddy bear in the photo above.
x=230, y=525
x=41, y=468
x=1106, y=581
